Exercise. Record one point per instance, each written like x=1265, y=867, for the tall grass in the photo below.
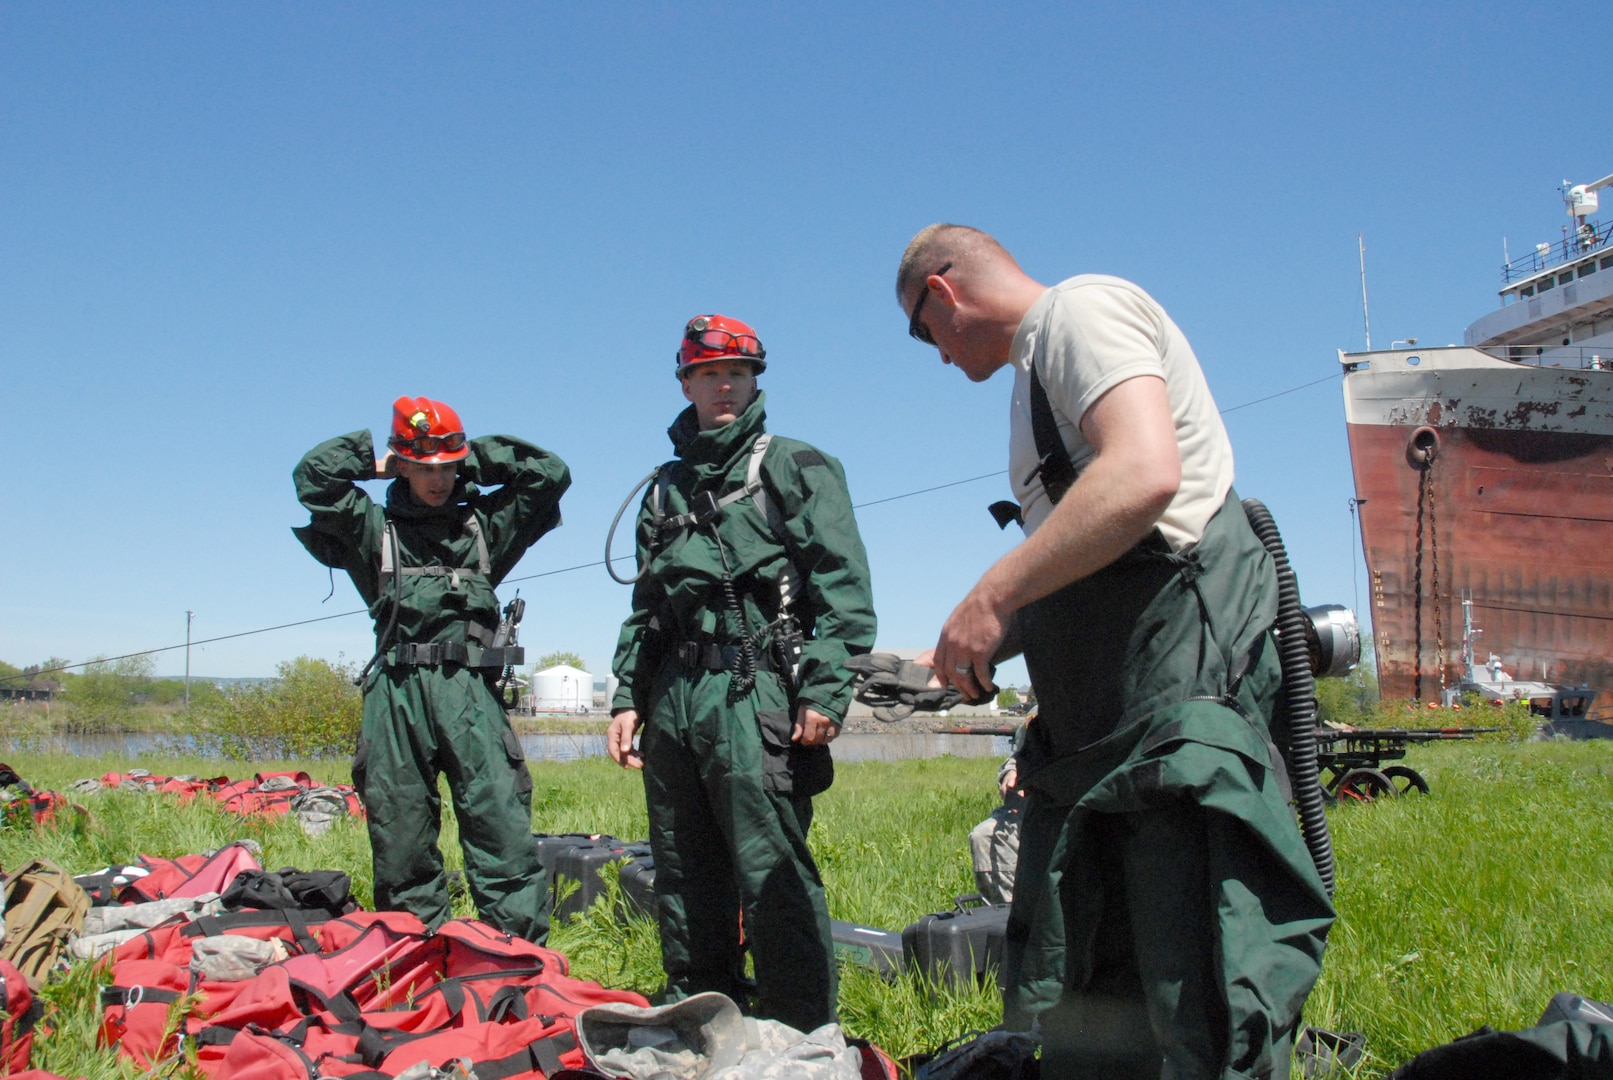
x=1475, y=903
x=1471, y=905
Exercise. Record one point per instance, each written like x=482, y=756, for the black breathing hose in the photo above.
x=744, y=674
x=1299, y=685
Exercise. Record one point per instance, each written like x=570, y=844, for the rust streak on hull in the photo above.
x=1523, y=521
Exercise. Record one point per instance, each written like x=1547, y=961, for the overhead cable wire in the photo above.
x=854, y=506
x=578, y=566
x=1282, y=393
x=925, y=491
x=183, y=645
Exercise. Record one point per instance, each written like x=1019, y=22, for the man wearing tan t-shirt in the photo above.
x=1156, y=839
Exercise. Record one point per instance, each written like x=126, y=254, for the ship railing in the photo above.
x=1565, y=356
x=1593, y=237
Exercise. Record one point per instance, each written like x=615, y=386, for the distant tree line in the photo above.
x=309, y=709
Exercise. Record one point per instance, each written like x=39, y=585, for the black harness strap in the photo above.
x=1053, y=464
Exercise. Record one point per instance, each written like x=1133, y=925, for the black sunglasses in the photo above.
x=915, y=329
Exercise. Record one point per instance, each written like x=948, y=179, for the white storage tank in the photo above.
x=562, y=689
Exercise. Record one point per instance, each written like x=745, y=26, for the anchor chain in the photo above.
x=1417, y=590
x=1433, y=545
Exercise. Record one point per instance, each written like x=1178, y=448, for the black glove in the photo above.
x=896, y=687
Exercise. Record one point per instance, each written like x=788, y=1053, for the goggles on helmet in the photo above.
x=427, y=431
x=421, y=445
x=746, y=346
x=719, y=337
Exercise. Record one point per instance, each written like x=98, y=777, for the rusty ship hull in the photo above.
x=1483, y=477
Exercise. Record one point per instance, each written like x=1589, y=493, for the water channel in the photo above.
x=549, y=747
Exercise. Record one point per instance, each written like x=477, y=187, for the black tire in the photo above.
x=1364, y=785
x=1406, y=780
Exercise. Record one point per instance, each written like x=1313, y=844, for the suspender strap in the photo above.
x=483, y=563
x=1053, y=460
x=758, y=493
x=472, y=526
x=1053, y=464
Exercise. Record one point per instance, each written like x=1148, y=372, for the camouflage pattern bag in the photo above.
x=44, y=908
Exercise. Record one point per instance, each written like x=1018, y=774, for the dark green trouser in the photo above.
x=725, y=840
x=1159, y=851
x=422, y=721
x=1152, y=994
x=1032, y=977
x=1193, y=915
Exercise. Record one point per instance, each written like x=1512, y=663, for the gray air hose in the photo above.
x=1299, y=686
x=617, y=520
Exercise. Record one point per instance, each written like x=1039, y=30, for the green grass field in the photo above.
x=1471, y=905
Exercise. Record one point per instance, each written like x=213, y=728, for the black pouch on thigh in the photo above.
x=361, y=764
x=517, y=757
x=789, y=768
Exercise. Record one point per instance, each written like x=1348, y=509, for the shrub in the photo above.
x=1516, y=722
x=1348, y=699
x=172, y=692
x=103, y=697
x=310, y=710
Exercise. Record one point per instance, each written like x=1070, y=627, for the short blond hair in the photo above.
x=935, y=245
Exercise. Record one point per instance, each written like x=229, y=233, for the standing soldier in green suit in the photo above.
x=1167, y=919
x=427, y=564
x=753, y=592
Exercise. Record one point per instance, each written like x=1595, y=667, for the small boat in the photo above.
x=1563, y=710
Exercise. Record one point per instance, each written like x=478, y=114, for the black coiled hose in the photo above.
x=744, y=674
x=745, y=662
x=1299, y=687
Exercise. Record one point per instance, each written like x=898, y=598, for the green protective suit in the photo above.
x=1168, y=919
x=729, y=794
x=422, y=721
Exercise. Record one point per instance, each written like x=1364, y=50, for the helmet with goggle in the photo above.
x=426, y=430
x=718, y=337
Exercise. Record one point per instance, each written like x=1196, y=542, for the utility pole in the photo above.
x=189, y=615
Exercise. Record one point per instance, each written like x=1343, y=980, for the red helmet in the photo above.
x=426, y=430
x=718, y=337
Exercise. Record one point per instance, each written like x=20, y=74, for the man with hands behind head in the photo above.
x=426, y=564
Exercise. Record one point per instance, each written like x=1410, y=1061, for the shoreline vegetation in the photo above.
x=1471, y=905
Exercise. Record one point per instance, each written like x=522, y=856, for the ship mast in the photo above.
x=1468, y=633
x=1366, y=320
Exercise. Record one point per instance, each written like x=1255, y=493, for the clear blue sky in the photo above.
x=229, y=231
